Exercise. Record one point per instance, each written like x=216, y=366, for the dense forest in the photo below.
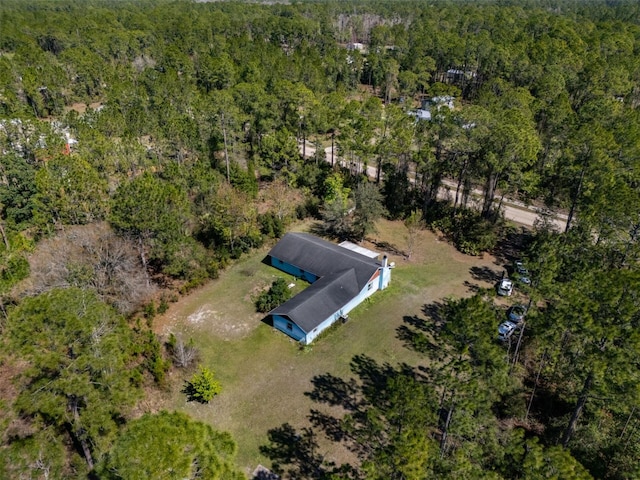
x=146, y=145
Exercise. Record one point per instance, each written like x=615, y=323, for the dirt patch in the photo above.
x=81, y=108
x=206, y=318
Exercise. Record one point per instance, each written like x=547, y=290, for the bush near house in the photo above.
x=277, y=294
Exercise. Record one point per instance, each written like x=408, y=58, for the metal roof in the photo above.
x=358, y=249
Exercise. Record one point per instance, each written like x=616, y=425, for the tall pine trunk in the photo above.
x=79, y=434
x=491, y=186
x=4, y=237
x=461, y=176
x=445, y=431
x=226, y=149
x=582, y=400
x=574, y=201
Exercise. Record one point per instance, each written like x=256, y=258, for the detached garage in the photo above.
x=341, y=278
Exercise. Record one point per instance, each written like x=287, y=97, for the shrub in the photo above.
x=151, y=351
x=202, y=387
x=271, y=226
x=277, y=294
x=473, y=234
x=183, y=354
x=150, y=310
x=164, y=305
x=469, y=232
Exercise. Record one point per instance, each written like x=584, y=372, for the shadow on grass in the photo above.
x=374, y=377
x=390, y=248
x=485, y=274
x=433, y=311
x=333, y=391
x=417, y=333
x=332, y=427
x=294, y=453
x=193, y=395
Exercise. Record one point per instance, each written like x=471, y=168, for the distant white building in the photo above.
x=356, y=46
x=439, y=102
x=431, y=104
x=421, y=114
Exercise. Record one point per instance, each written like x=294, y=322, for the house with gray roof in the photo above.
x=341, y=278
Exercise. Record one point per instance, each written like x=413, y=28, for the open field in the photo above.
x=265, y=374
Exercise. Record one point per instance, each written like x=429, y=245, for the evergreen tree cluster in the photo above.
x=145, y=145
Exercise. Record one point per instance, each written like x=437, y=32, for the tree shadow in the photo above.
x=472, y=287
x=413, y=336
x=485, y=274
x=192, y=393
x=433, y=311
x=511, y=246
x=297, y=451
x=417, y=333
x=334, y=391
x=374, y=377
x=332, y=427
x=390, y=248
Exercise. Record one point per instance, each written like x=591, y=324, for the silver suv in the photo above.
x=505, y=330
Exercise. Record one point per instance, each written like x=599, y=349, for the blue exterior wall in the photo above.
x=293, y=270
x=318, y=330
x=366, y=292
x=282, y=323
x=380, y=282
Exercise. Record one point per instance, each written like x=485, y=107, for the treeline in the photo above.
x=145, y=145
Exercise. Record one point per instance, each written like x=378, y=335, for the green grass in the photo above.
x=265, y=374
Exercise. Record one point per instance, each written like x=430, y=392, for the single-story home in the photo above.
x=341, y=277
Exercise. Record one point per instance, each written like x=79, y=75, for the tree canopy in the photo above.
x=145, y=145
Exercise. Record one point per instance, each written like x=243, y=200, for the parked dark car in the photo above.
x=517, y=313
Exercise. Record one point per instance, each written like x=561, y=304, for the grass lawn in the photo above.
x=265, y=375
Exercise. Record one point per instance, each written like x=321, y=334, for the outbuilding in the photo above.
x=341, y=278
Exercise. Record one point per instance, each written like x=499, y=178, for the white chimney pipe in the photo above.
x=385, y=261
